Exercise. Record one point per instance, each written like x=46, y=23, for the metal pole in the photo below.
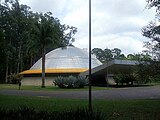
x=90, y=94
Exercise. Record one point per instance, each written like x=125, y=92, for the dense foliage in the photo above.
x=14, y=78
x=112, y=54
x=71, y=81
x=124, y=78
x=152, y=31
x=26, y=36
x=151, y=71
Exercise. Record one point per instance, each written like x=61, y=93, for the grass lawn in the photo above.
x=48, y=88
x=113, y=109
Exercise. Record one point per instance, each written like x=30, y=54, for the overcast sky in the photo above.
x=115, y=23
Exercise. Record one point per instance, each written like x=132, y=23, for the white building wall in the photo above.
x=37, y=81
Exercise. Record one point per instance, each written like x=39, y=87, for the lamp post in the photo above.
x=90, y=79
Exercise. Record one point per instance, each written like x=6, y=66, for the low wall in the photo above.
x=37, y=81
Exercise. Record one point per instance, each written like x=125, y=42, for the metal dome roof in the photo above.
x=64, y=60
x=69, y=57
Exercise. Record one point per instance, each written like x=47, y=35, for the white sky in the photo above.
x=115, y=23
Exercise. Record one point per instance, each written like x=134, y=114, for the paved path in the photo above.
x=152, y=92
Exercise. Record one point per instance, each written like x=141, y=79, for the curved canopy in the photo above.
x=64, y=60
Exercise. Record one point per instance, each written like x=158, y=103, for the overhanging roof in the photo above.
x=52, y=71
x=113, y=67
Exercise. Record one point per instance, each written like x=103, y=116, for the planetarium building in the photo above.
x=59, y=62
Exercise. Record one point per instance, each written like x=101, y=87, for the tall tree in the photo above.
x=2, y=58
x=99, y=53
x=26, y=35
x=14, y=22
x=48, y=32
x=108, y=54
x=122, y=57
x=116, y=52
x=44, y=36
x=152, y=31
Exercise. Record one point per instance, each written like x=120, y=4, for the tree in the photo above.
x=45, y=36
x=2, y=58
x=116, y=52
x=99, y=53
x=103, y=55
x=48, y=32
x=130, y=57
x=27, y=35
x=14, y=23
x=108, y=54
x=152, y=31
x=122, y=57
x=139, y=57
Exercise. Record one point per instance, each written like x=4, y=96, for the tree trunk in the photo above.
x=43, y=68
x=21, y=62
x=31, y=61
x=34, y=60
x=6, y=80
x=10, y=69
x=19, y=59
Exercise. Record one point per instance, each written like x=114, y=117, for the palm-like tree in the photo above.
x=47, y=32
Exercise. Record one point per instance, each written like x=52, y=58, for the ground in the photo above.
x=149, y=92
x=136, y=103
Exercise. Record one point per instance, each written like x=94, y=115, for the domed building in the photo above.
x=59, y=62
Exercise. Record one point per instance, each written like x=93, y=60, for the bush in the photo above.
x=28, y=113
x=14, y=78
x=124, y=78
x=82, y=81
x=71, y=82
x=156, y=78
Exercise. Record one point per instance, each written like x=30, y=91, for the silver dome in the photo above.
x=69, y=57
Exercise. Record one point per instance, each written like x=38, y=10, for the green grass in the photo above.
x=113, y=109
x=47, y=88
x=154, y=83
x=40, y=103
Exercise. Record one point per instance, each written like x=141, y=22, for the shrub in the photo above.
x=124, y=78
x=156, y=78
x=71, y=82
x=82, y=81
x=14, y=78
x=29, y=113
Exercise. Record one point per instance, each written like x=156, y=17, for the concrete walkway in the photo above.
x=152, y=92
